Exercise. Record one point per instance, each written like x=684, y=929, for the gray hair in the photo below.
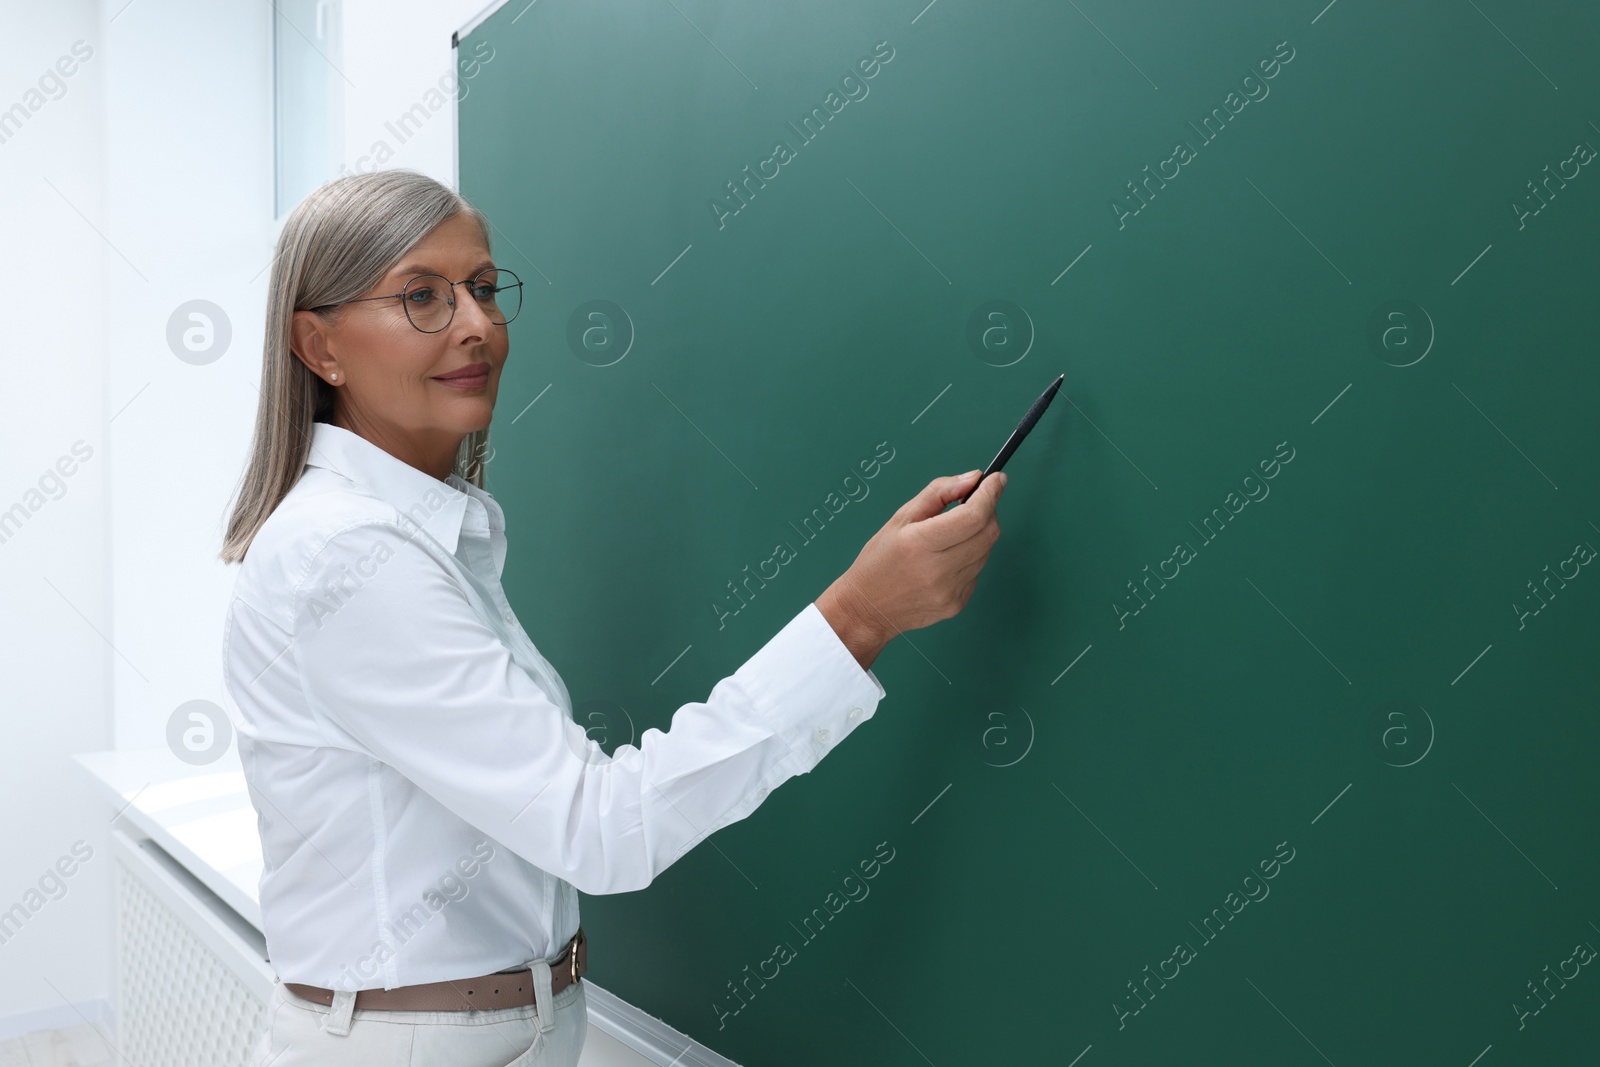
x=335, y=245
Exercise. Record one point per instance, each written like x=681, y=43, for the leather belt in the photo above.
x=513, y=989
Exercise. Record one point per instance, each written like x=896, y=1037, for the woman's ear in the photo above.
x=308, y=339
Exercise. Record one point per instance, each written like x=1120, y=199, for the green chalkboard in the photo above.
x=1270, y=732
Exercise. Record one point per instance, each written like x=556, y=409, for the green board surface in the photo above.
x=1269, y=734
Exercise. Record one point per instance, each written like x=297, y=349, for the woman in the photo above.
x=428, y=808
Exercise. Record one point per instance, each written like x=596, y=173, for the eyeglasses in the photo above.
x=430, y=300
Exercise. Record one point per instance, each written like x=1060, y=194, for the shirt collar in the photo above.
x=442, y=509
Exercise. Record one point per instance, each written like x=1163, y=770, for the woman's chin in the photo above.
x=469, y=414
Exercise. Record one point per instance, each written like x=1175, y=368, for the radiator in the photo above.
x=193, y=982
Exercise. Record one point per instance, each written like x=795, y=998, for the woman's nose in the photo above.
x=470, y=307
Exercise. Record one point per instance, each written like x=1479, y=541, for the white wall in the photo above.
x=190, y=119
x=189, y=181
x=146, y=185
x=396, y=64
x=54, y=565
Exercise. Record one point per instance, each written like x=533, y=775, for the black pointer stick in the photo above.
x=1019, y=433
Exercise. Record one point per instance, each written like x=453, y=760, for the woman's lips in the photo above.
x=475, y=376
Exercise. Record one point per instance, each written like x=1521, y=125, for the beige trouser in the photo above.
x=303, y=1033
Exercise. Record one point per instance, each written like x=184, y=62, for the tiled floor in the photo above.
x=81, y=1046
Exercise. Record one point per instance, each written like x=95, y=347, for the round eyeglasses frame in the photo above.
x=449, y=300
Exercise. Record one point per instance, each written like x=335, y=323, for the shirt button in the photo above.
x=822, y=737
x=509, y=616
x=761, y=794
x=855, y=713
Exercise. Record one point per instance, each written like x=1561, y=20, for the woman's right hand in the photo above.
x=921, y=567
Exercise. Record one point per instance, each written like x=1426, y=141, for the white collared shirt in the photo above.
x=428, y=807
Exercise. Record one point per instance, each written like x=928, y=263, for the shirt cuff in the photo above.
x=809, y=687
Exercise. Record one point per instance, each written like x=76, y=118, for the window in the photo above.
x=308, y=97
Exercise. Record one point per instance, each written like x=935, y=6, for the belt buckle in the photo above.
x=572, y=962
